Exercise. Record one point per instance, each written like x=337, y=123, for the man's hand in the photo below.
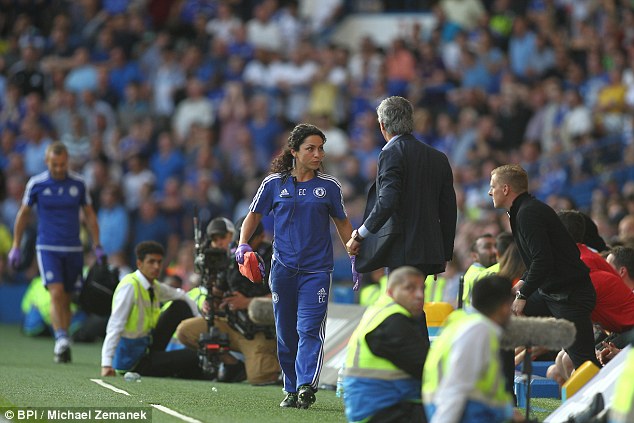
x=353, y=245
x=14, y=257
x=107, y=371
x=607, y=353
x=518, y=307
x=517, y=287
x=237, y=301
x=241, y=251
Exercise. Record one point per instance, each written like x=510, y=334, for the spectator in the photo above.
x=262, y=32
x=136, y=181
x=626, y=230
x=522, y=48
x=167, y=162
x=223, y=25
x=614, y=309
x=195, y=108
x=113, y=220
x=37, y=143
x=82, y=75
x=622, y=259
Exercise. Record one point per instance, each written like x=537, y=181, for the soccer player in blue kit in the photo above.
x=58, y=195
x=302, y=200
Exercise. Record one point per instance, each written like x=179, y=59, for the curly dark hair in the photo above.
x=283, y=163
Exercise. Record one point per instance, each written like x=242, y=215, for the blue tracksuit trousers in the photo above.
x=300, y=304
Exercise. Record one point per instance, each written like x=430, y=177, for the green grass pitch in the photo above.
x=30, y=378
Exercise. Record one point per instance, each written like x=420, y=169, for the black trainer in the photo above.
x=305, y=396
x=63, y=357
x=290, y=401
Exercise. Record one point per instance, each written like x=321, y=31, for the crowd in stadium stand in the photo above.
x=171, y=106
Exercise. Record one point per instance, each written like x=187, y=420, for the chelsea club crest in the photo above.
x=319, y=192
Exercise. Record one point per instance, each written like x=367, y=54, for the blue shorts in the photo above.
x=61, y=266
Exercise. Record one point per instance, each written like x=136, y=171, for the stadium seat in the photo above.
x=538, y=368
x=541, y=387
x=579, y=378
x=436, y=313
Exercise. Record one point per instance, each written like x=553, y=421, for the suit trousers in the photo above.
x=576, y=309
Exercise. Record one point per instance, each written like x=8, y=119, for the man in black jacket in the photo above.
x=411, y=209
x=556, y=282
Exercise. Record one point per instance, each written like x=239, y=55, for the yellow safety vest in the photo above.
x=434, y=289
x=144, y=314
x=369, y=294
x=360, y=361
x=490, y=387
x=622, y=410
x=473, y=273
x=198, y=294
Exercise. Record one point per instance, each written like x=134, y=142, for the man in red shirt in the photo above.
x=622, y=259
x=614, y=309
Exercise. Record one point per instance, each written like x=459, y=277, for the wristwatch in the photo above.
x=520, y=296
x=356, y=236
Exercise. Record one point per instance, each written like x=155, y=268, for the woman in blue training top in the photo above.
x=302, y=200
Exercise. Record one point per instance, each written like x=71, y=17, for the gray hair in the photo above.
x=396, y=114
x=400, y=275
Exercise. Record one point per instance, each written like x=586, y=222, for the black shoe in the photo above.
x=305, y=396
x=63, y=357
x=290, y=401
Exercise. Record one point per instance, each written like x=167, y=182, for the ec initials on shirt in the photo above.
x=301, y=191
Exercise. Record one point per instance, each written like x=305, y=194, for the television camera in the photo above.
x=210, y=263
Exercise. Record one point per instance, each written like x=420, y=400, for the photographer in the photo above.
x=232, y=295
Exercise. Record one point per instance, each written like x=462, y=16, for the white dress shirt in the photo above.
x=121, y=307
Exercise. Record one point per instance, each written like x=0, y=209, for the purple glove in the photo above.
x=356, y=277
x=14, y=257
x=100, y=254
x=240, y=251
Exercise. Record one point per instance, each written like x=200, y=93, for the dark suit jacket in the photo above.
x=552, y=259
x=413, y=205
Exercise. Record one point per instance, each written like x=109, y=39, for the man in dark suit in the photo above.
x=410, y=216
x=556, y=282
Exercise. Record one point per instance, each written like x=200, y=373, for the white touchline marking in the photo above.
x=175, y=413
x=157, y=406
x=107, y=385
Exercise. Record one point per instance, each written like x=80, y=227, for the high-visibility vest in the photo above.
x=490, y=388
x=622, y=410
x=360, y=361
x=198, y=294
x=136, y=336
x=434, y=289
x=371, y=293
x=473, y=273
x=144, y=314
